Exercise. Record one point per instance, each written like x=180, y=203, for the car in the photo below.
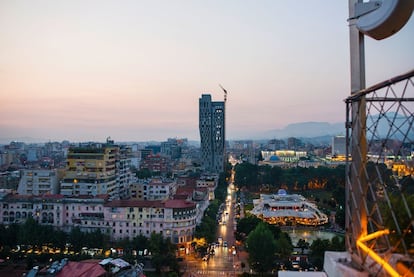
x=225, y=243
x=206, y=257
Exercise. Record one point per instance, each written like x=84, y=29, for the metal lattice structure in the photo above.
x=380, y=177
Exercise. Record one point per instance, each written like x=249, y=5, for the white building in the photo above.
x=38, y=181
x=153, y=189
x=210, y=183
x=287, y=209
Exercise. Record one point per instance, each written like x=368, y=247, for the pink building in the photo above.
x=173, y=218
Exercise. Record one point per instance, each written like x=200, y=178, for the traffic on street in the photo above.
x=224, y=257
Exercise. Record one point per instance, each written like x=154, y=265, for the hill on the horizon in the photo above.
x=307, y=130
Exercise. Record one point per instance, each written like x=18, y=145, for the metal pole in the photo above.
x=356, y=224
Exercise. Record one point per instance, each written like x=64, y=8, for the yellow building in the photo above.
x=91, y=170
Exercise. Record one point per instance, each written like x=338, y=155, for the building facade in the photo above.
x=38, y=181
x=156, y=163
x=212, y=133
x=339, y=146
x=210, y=183
x=124, y=177
x=91, y=170
x=153, y=189
x=120, y=219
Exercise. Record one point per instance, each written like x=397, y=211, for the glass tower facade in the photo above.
x=212, y=133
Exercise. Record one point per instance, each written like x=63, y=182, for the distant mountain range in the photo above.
x=379, y=123
x=307, y=130
x=311, y=131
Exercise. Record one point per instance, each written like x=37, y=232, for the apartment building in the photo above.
x=153, y=189
x=91, y=169
x=120, y=219
x=38, y=181
x=208, y=182
x=156, y=163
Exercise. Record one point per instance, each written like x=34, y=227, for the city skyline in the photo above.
x=86, y=70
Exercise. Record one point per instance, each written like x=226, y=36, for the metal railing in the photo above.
x=380, y=177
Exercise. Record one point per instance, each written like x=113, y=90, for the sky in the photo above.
x=85, y=70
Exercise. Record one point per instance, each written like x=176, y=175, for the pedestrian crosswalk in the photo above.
x=202, y=272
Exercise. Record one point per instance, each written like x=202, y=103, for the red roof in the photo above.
x=135, y=203
x=170, y=203
x=82, y=269
x=179, y=203
x=30, y=196
x=185, y=190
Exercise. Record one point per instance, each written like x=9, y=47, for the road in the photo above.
x=227, y=259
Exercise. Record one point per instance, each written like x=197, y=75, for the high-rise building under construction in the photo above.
x=212, y=133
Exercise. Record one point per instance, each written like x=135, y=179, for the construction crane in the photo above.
x=225, y=93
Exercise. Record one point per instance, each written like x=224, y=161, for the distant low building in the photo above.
x=339, y=146
x=156, y=164
x=282, y=157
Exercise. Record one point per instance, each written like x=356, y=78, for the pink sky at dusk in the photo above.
x=134, y=70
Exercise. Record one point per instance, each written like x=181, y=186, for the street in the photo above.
x=227, y=258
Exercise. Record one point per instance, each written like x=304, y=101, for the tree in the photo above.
x=247, y=224
x=337, y=244
x=28, y=233
x=318, y=249
x=143, y=173
x=163, y=253
x=402, y=217
x=284, y=246
x=262, y=248
x=302, y=244
x=246, y=174
x=76, y=238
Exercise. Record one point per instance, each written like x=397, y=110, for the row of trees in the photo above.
x=35, y=235
x=296, y=178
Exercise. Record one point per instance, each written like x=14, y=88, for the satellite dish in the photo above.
x=382, y=19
